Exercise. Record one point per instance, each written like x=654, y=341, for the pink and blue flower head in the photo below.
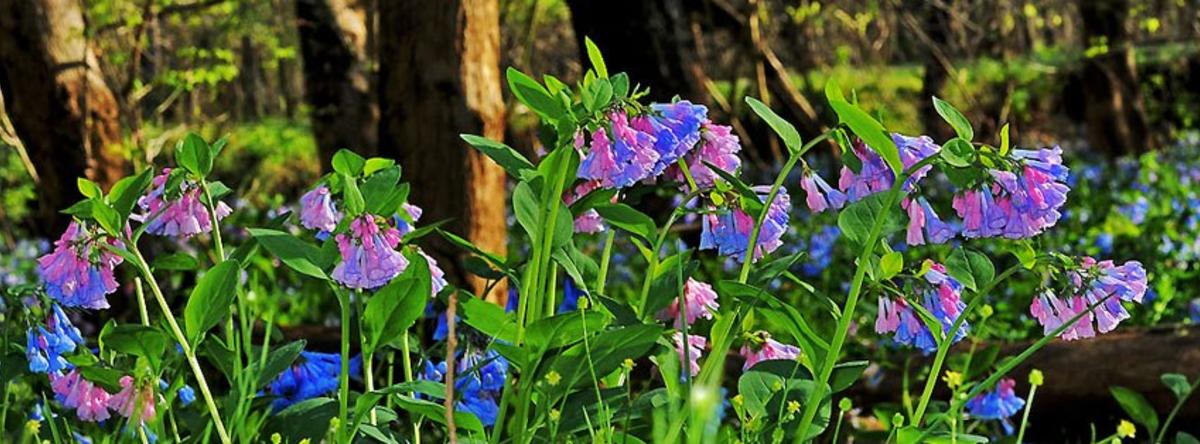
x=1095, y=282
x=589, y=221
x=695, y=348
x=876, y=176
x=407, y=225
x=1019, y=204
x=700, y=301
x=768, y=350
x=131, y=397
x=622, y=160
x=941, y=296
x=314, y=374
x=178, y=215
x=46, y=346
x=999, y=404
x=728, y=230
x=925, y=225
x=89, y=401
x=437, y=276
x=718, y=147
x=675, y=128
x=317, y=211
x=79, y=272
x=369, y=256
x=819, y=195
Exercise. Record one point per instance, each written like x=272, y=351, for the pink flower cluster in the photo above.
x=941, y=297
x=700, y=301
x=369, y=256
x=79, y=272
x=1095, y=294
x=182, y=215
x=92, y=403
x=768, y=350
x=1016, y=204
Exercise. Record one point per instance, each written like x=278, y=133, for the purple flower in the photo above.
x=876, y=176
x=1093, y=283
x=770, y=350
x=317, y=211
x=675, y=128
x=728, y=229
x=369, y=256
x=79, y=272
x=404, y=225
x=998, y=404
x=694, y=348
x=1018, y=204
x=819, y=195
x=130, y=397
x=628, y=157
x=923, y=221
x=46, y=345
x=73, y=392
x=437, y=276
x=479, y=380
x=719, y=147
x=182, y=215
x=589, y=221
x=941, y=296
x=700, y=300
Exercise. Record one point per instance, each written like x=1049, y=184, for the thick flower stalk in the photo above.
x=79, y=272
x=178, y=212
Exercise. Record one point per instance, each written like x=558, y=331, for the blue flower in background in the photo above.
x=479, y=380
x=1194, y=310
x=820, y=250
x=313, y=375
x=1105, y=242
x=1136, y=211
x=999, y=404
x=571, y=295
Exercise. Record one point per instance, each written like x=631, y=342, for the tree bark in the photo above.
x=1114, y=113
x=440, y=77
x=936, y=23
x=337, y=77
x=60, y=106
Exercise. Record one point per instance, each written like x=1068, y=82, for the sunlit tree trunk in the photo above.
x=440, y=77
x=60, y=106
x=1114, y=112
x=337, y=76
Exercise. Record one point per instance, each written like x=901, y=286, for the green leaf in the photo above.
x=785, y=130
x=971, y=268
x=627, y=218
x=490, y=319
x=527, y=210
x=532, y=94
x=436, y=412
x=378, y=189
x=355, y=203
x=308, y=419
x=891, y=264
x=278, y=360
x=846, y=373
x=108, y=218
x=855, y=221
x=211, y=298
x=608, y=350
x=348, y=163
x=958, y=152
x=1185, y=438
x=1025, y=254
x=1178, y=384
x=176, y=262
x=88, y=188
x=125, y=193
x=961, y=125
x=870, y=131
x=595, y=57
x=293, y=252
x=396, y=306
x=375, y=164
x=1137, y=407
x=137, y=340
x=564, y=329
x=193, y=153
x=1004, y=142
x=507, y=157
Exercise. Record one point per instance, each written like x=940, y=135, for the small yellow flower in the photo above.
x=334, y=423
x=987, y=311
x=628, y=364
x=777, y=386
x=554, y=415
x=276, y=439
x=738, y=400
x=553, y=377
x=582, y=303
x=33, y=426
x=306, y=441
x=953, y=379
x=1126, y=429
x=1036, y=378
x=793, y=407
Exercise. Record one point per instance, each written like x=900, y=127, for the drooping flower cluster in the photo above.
x=999, y=404
x=79, y=272
x=179, y=213
x=478, y=381
x=89, y=401
x=819, y=196
x=728, y=230
x=314, y=374
x=589, y=221
x=925, y=225
x=719, y=147
x=631, y=149
x=767, y=349
x=1094, y=293
x=700, y=301
x=317, y=211
x=876, y=176
x=369, y=256
x=1016, y=204
x=47, y=345
x=134, y=403
x=941, y=296
x=690, y=352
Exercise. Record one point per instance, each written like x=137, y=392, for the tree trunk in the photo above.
x=337, y=77
x=440, y=77
x=648, y=39
x=1114, y=113
x=936, y=23
x=60, y=106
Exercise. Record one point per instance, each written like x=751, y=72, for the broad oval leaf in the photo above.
x=211, y=298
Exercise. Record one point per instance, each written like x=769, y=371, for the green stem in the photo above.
x=368, y=354
x=216, y=227
x=188, y=352
x=344, y=376
x=605, y=258
x=408, y=377
x=1162, y=432
x=945, y=344
x=1025, y=415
